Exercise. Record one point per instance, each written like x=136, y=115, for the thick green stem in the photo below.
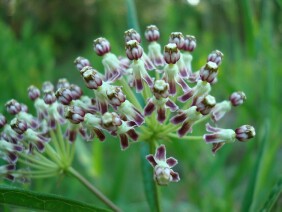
x=93, y=189
x=189, y=138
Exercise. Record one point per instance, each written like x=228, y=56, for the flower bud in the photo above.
x=101, y=46
x=110, y=121
x=171, y=53
x=115, y=95
x=64, y=96
x=245, y=132
x=75, y=114
x=18, y=126
x=152, y=33
x=189, y=43
x=47, y=86
x=76, y=91
x=133, y=50
x=131, y=34
x=49, y=97
x=216, y=57
x=160, y=89
x=177, y=38
x=237, y=98
x=33, y=92
x=13, y=107
x=209, y=72
x=206, y=105
x=62, y=83
x=3, y=121
x=91, y=77
x=81, y=62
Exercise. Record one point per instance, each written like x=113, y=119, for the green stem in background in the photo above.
x=189, y=138
x=93, y=189
x=132, y=15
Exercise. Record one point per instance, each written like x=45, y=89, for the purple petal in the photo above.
x=149, y=108
x=12, y=157
x=186, y=96
x=148, y=80
x=161, y=153
x=99, y=134
x=151, y=160
x=103, y=106
x=132, y=134
x=138, y=118
x=138, y=85
x=172, y=87
x=175, y=176
x=172, y=106
x=210, y=128
x=40, y=146
x=212, y=138
x=171, y=162
x=161, y=114
x=216, y=147
x=179, y=118
x=183, y=72
x=123, y=141
x=183, y=85
x=186, y=127
x=9, y=177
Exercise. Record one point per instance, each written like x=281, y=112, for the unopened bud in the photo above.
x=18, y=126
x=131, y=34
x=189, y=43
x=33, y=92
x=133, y=50
x=237, y=98
x=245, y=132
x=216, y=57
x=81, y=62
x=13, y=107
x=101, y=46
x=209, y=72
x=152, y=33
x=171, y=53
x=75, y=114
x=177, y=38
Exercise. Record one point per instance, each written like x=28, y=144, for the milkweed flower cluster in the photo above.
x=149, y=97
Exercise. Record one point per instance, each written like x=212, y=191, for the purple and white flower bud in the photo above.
x=171, y=53
x=64, y=96
x=245, y=133
x=131, y=34
x=110, y=121
x=62, y=83
x=160, y=89
x=47, y=86
x=76, y=91
x=219, y=135
x=81, y=62
x=133, y=50
x=91, y=77
x=209, y=72
x=13, y=107
x=189, y=43
x=24, y=108
x=206, y=105
x=152, y=33
x=49, y=97
x=220, y=109
x=74, y=114
x=237, y=98
x=115, y=95
x=3, y=121
x=33, y=92
x=163, y=173
x=101, y=46
x=216, y=57
x=177, y=38
x=19, y=126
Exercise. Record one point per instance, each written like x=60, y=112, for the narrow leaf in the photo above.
x=47, y=202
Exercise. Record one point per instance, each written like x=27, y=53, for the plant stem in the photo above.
x=190, y=138
x=93, y=189
x=157, y=192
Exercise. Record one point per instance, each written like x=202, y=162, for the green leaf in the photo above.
x=273, y=196
x=34, y=200
x=150, y=186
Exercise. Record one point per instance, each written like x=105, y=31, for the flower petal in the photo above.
x=151, y=160
x=161, y=153
x=171, y=162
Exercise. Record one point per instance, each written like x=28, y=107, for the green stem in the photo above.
x=36, y=161
x=157, y=191
x=93, y=189
x=190, y=138
x=129, y=93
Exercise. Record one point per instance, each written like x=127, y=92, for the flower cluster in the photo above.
x=141, y=97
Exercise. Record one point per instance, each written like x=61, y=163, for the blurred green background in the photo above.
x=40, y=39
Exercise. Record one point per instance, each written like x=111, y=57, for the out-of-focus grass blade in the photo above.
x=273, y=196
x=149, y=184
x=132, y=20
x=249, y=195
x=45, y=202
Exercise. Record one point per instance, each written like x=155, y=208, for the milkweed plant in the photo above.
x=143, y=97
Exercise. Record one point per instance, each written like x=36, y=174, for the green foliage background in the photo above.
x=40, y=39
